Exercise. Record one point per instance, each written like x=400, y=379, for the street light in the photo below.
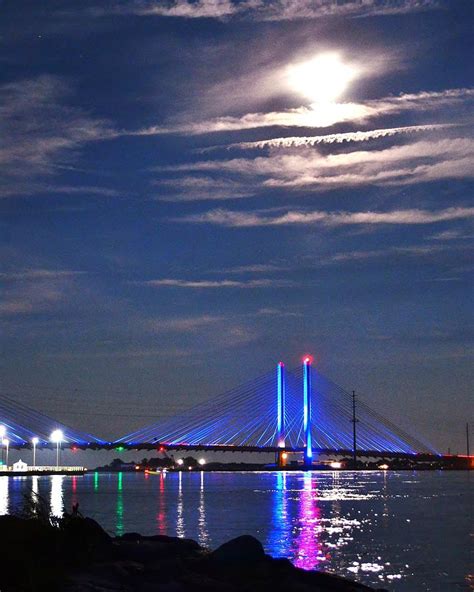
x=34, y=441
x=180, y=461
x=6, y=443
x=3, y=431
x=202, y=461
x=57, y=437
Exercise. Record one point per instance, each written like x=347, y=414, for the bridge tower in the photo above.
x=308, y=449
x=281, y=386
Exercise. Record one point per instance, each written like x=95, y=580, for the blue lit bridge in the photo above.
x=293, y=411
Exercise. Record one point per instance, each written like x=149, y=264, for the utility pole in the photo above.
x=468, y=451
x=354, y=431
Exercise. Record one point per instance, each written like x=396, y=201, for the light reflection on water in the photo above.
x=119, y=505
x=57, y=503
x=4, y=482
x=399, y=531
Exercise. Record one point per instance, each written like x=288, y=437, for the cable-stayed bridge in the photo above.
x=22, y=425
x=295, y=411
x=299, y=410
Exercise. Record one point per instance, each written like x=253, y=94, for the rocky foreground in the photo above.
x=77, y=555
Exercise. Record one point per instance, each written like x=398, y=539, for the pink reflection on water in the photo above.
x=307, y=545
x=161, y=516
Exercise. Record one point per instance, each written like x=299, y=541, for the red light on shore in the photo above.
x=281, y=364
x=161, y=449
x=308, y=360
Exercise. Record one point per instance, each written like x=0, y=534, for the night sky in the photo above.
x=185, y=201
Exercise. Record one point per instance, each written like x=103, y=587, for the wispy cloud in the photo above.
x=216, y=284
x=320, y=115
x=411, y=251
x=451, y=235
x=256, y=268
x=40, y=131
x=38, y=274
x=183, y=324
x=199, y=188
x=415, y=162
x=330, y=258
x=268, y=9
x=232, y=218
x=166, y=352
x=38, y=290
x=360, y=136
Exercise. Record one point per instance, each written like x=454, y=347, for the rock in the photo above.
x=79, y=556
x=130, y=536
x=244, y=549
x=188, y=544
x=28, y=543
x=84, y=539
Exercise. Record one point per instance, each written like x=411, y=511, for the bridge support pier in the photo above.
x=282, y=457
x=308, y=451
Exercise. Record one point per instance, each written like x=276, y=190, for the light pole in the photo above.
x=57, y=437
x=3, y=431
x=6, y=443
x=34, y=441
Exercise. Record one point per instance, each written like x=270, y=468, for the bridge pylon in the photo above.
x=308, y=448
x=281, y=391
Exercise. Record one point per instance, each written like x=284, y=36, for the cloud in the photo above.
x=32, y=291
x=360, y=136
x=182, y=325
x=195, y=188
x=276, y=312
x=450, y=235
x=40, y=133
x=39, y=274
x=416, y=162
x=268, y=9
x=330, y=258
x=240, y=219
x=255, y=268
x=216, y=284
x=414, y=251
x=318, y=115
x=166, y=352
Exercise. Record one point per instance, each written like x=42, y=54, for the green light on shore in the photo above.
x=120, y=448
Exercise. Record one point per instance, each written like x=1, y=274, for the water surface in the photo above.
x=401, y=531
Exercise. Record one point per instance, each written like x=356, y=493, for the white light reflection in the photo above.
x=203, y=534
x=57, y=503
x=180, y=509
x=3, y=495
x=34, y=490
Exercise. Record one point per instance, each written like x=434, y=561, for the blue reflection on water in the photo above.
x=278, y=540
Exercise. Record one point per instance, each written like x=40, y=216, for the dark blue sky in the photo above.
x=163, y=240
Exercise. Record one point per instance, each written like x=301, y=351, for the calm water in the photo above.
x=402, y=531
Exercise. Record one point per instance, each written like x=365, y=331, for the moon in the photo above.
x=322, y=79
